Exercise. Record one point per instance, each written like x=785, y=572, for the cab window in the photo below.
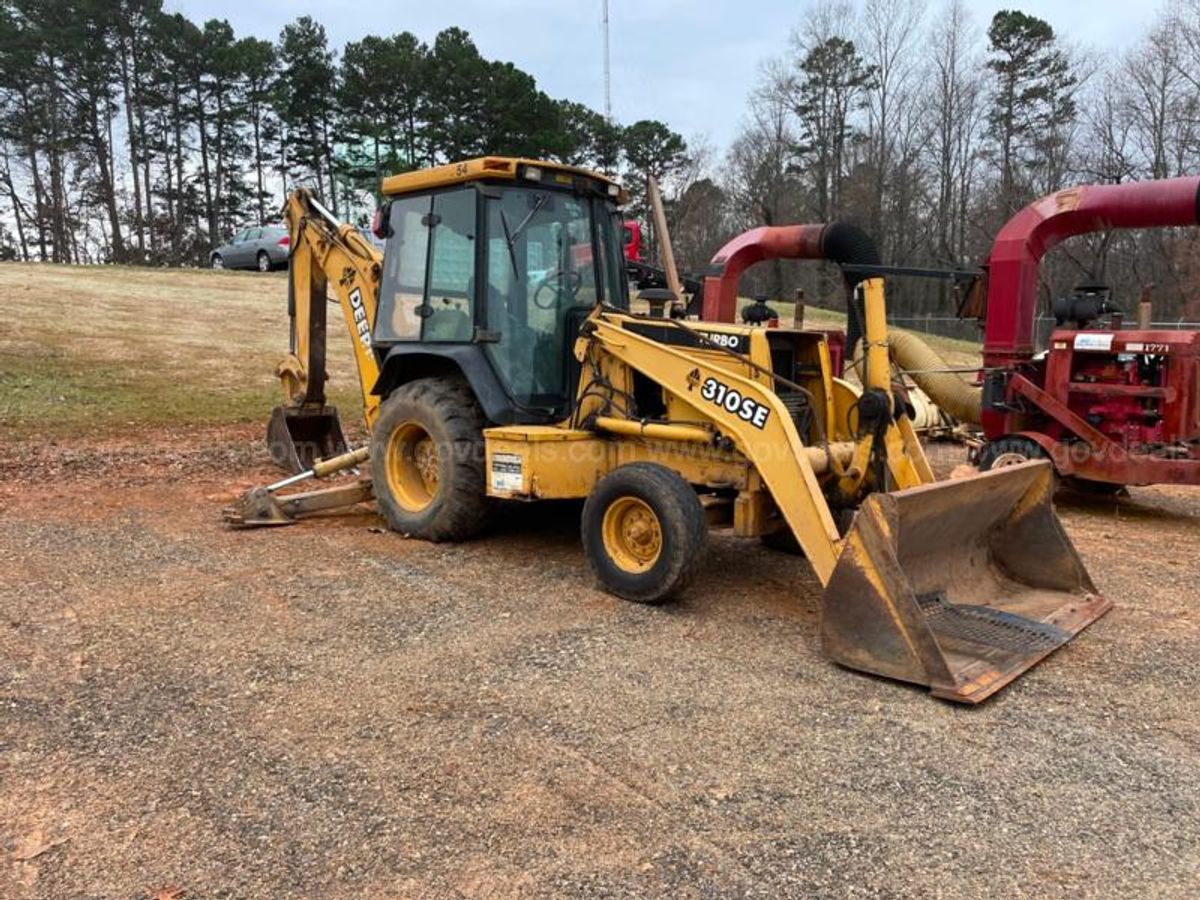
x=402, y=289
x=452, y=267
x=427, y=287
x=427, y=290
x=612, y=258
x=540, y=267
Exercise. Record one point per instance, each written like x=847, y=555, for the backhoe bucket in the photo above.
x=298, y=437
x=960, y=585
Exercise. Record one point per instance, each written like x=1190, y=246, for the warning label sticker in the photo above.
x=506, y=473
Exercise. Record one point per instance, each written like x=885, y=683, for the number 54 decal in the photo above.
x=745, y=408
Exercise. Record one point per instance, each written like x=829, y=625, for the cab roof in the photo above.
x=497, y=168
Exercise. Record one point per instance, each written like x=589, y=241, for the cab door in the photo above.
x=428, y=292
x=539, y=262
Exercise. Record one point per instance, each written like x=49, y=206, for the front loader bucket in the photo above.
x=298, y=437
x=960, y=585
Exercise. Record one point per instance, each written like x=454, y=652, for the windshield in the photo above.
x=543, y=277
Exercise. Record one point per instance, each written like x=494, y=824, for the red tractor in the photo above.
x=1109, y=405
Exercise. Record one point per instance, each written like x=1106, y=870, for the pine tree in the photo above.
x=1031, y=98
x=832, y=80
x=651, y=150
x=456, y=98
x=90, y=89
x=307, y=99
x=259, y=69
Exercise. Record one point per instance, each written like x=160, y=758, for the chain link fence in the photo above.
x=969, y=329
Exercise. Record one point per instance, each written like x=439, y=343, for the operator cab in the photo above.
x=504, y=256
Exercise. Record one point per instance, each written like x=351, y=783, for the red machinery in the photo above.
x=838, y=242
x=633, y=241
x=1107, y=404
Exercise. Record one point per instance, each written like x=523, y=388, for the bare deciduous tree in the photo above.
x=890, y=32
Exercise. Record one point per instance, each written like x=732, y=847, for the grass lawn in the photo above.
x=102, y=349
x=99, y=350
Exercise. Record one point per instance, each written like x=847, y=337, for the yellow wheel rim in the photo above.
x=632, y=534
x=412, y=466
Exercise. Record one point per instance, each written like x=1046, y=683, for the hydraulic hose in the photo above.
x=922, y=364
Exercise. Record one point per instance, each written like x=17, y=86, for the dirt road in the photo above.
x=330, y=711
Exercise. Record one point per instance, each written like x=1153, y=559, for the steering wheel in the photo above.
x=570, y=278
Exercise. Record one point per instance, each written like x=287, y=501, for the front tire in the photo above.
x=1009, y=451
x=217, y=262
x=644, y=532
x=427, y=461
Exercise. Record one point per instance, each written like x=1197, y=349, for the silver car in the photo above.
x=263, y=248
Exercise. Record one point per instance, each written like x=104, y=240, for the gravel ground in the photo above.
x=330, y=711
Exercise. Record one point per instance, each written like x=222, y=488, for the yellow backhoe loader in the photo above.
x=500, y=363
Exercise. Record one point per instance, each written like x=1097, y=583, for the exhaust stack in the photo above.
x=837, y=242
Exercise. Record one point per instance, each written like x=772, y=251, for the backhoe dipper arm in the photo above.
x=324, y=253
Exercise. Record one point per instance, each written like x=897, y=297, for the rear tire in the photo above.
x=644, y=532
x=264, y=261
x=427, y=461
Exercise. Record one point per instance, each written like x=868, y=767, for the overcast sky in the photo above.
x=689, y=63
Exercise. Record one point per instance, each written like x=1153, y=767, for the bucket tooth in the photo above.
x=298, y=436
x=960, y=586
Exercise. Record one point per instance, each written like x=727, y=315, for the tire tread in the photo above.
x=685, y=538
x=466, y=509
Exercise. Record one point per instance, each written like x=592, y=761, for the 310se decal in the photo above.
x=746, y=408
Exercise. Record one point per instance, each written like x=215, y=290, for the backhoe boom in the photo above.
x=325, y=254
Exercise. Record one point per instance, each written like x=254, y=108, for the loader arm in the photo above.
x=751, y=414
x=325, y=254
x=767, y=438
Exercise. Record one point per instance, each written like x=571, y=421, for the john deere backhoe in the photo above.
x=499, y=362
